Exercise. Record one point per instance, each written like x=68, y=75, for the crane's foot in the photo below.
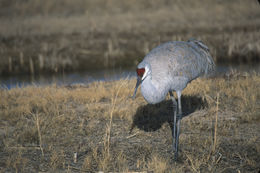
x=175, y=152
x=176, y=156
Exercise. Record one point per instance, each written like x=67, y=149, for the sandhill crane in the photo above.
x=170, y=67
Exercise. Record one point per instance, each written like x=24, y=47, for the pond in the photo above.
x=103, y=75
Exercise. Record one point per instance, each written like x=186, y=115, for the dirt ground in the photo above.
x=98, y=127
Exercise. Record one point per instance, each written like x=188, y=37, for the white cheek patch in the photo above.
x=145, y=73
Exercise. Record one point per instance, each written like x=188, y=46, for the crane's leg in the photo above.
x=178, y=124
x=174, y=120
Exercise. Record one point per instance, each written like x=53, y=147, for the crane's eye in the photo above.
x=140, y=72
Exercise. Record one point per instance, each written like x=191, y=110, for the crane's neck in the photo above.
x=152, y=91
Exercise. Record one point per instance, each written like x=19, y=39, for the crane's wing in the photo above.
x=180, y=59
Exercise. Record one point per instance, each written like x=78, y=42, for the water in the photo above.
x=91, y=76
x=65, y=79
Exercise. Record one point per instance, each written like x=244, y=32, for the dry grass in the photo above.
x=42, y=127
x=84, y=16
x=39, y=36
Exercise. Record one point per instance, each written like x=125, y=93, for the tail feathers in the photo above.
x=210, y=65
x=199, y=43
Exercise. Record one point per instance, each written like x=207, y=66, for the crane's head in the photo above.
x=142, y=72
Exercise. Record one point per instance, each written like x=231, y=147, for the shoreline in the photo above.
x=78, y=52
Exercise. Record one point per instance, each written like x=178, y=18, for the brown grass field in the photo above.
x=97, y=126
x=42, y=129
x=46, y=36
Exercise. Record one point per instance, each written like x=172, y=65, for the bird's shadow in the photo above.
x=151, y=117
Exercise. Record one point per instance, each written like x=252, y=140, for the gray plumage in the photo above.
x=170, y=67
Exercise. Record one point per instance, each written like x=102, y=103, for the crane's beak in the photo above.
x=139, y=81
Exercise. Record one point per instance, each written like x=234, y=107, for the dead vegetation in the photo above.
x=47, y=36
x=98, y=127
